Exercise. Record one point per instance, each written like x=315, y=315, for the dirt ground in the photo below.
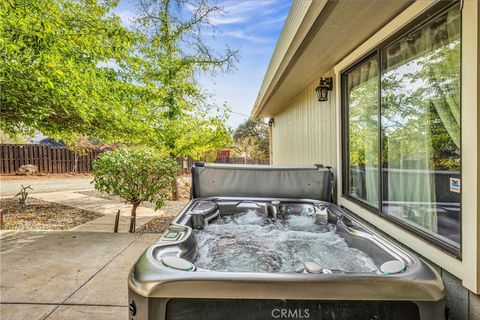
x=159, y=224
x=170, y=210
x=42, y=215
x=45, y=176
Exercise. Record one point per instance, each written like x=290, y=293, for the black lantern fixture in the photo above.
x=324, y=86
x=271, y=121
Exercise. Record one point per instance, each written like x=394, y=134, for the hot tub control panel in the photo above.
x=173, y=234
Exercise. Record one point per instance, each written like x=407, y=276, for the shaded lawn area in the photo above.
x=42, y=215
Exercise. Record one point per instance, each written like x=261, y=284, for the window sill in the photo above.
x=425, y=236
x=414, y=240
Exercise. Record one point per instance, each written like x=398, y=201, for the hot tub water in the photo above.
x=250, y=242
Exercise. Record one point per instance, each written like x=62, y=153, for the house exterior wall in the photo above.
x=305, y=133
x=308, y=131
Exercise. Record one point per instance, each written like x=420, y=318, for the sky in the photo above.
x=252, y=27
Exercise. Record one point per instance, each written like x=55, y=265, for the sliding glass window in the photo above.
x=361, y=86
x=419, y=135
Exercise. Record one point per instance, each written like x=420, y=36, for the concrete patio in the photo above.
x=67, y=275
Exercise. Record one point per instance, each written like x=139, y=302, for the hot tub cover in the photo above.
x=262, y=181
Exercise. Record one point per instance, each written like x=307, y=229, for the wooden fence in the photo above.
x=47, y=159
x=186, y=164
x=60, y=160
x=241, y=160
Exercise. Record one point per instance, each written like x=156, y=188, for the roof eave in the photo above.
x=300, y=19
x=323, y=37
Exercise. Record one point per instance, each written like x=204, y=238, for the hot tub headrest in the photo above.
x=262, y=181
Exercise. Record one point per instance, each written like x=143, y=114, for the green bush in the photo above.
x=136, y=175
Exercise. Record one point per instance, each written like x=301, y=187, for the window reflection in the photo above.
x=421, y=127
x=362, y=108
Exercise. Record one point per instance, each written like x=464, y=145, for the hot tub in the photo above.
x=232, y=255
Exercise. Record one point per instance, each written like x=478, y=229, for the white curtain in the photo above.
x=424, y=67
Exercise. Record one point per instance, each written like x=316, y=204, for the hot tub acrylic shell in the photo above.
x=152, y=285
x=160, y=292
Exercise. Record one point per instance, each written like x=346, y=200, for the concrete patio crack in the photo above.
x=64, y=302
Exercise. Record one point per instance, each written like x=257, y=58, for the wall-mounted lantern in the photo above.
x=324, y=86
x=271, y=121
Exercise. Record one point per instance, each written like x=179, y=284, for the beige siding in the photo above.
x=305, y=132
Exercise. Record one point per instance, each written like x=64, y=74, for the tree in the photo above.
x=70, y=68
x=136, y=175
x=65, y=68
x=81, y=146
x=421, y=109
x=252, y=137
x=174, y=53
x=11, y=138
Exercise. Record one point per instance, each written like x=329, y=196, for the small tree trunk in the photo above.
x=133, y=218
x=75, y=165
x=175, y=194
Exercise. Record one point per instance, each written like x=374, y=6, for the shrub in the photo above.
x=136, y=175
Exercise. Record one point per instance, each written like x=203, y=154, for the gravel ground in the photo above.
x=158, y=225
x=42, y=215
x=48, y=176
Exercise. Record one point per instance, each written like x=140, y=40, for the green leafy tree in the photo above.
x=174, y=53
x=81, y=146
x=201, y=134
x=136, y=175
x=252, y=137
x=431, y=99
x=363, y=126
x=12, y=138
x=70, y=68
x=65, y=68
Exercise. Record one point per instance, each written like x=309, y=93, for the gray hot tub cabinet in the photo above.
x=165, y=284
